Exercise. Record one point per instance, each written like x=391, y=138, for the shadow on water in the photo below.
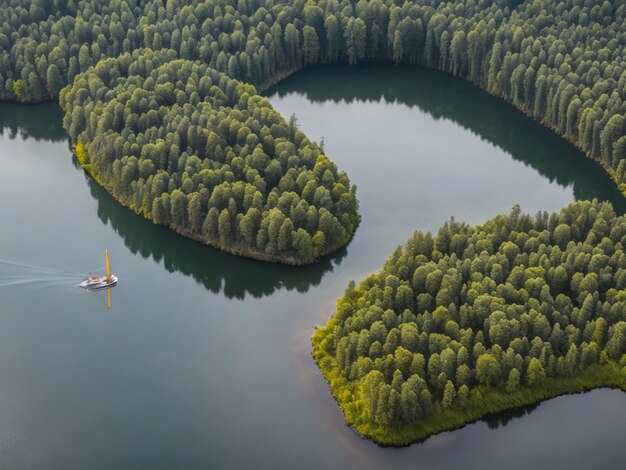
x=503, y=418
x=19, y=119
x=435, y=93
x=445, y=97
x=216, y=270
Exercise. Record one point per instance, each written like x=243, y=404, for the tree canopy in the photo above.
x=476, y=319
x=162, y=106
x=562, y=64
x=189, y=147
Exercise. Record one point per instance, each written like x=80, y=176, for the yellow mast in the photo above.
x=106, y=257
x=109, y=298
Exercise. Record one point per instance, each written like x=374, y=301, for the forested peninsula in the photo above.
x=562, y=64
x=162, y=106
x=189, y=147
x=475, y=320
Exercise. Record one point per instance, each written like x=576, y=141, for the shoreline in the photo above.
x=281, y=76
x=493, y=401
x=237, y=250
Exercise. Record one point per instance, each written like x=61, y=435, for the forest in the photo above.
x=188, y=147
x=163, y=107
x=560, y=63
x=474, y=320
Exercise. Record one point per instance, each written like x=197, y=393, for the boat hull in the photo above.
x=102, y=283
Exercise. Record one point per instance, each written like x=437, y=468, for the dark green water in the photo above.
x=204, y=359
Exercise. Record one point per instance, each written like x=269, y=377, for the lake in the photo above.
x=204, y=359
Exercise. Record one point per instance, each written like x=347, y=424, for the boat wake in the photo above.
x=16, y=274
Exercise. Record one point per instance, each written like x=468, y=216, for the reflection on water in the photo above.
x=447, y=99
x=38, y=122
x=216, y=270
x=503, y=418
x=459, y=101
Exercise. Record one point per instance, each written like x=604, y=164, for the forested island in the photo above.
x=163, y=108
x=475, y=320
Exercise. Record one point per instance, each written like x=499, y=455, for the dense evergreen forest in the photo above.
x=561, y=63
x=475, y=320
x=162, y=105
x=191, y=148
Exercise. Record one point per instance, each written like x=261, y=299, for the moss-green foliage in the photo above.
x=563, y=63
x=191, y=148
x=470, y=321
x=478, y=319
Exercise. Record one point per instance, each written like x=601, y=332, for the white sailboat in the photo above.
x=95, y=282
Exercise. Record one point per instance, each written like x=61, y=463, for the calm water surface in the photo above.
x=204, y=359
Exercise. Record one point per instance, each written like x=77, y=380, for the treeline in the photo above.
x=472, y=315
x=188, y=147
x=561, y=63
x=217, y=271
